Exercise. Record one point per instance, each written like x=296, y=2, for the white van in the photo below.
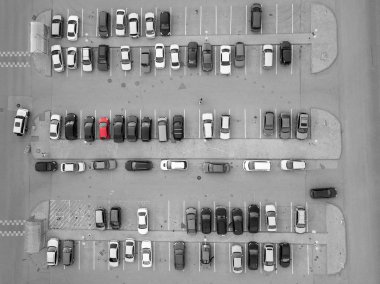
x=256, y=165
x=208, y=121
x=267, y=56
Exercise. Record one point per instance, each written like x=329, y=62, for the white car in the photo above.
x=113, y=257
x=72, y=28
x=225, y=60
x=173, y=165
x=133, y=19
x=72, y=58
x=150, y=25
x=87, y=59
x=120, y=22
x=146, y=254
x=300, y=223
x=268, y=257
x=225, y=127
x=52, y=254
x=129, y=255
x=288, y=165
x=256, y=166
x=208, y=125
x=159, y=59
x=142, y=220
x=270, y=214
x=174, y=57
x=73, y=167
x=57, y=58
x=126, y=60
x=55, y=126
x=20, y=123
x=237, y=258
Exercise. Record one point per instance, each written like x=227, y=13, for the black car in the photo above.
x=253, y=218
x=165, y=23
x=269, y=123
x=284, y=125
x=216, y=167
x=237, y=221
x=118, y=128
x=89, y=129
x=71, y=126
x=206, y=223
x=323, y=192
x=146, y=125
x=115, y=218
x=206, y=254
x=207, y=61
x=191, y=220
x=103, y=57
x=51, y=166
x=221, y=220
x=239, y=55
x=284, y=255
x=68, y=252
x=256, y=17
x=133, y=165
x=253, y=255
x=132, y=127
x=192, y=54
x=285, y=53
x=178, y=127
x=179, y=255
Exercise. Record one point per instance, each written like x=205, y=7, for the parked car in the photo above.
x=150, y=25
x=145, y=60
x=132, y=128
x=118, y=128
x=143, y=223
x=71, y=127
x=159, y=58
x=103, y=57
x=253, y=218
x=225, y=60
x=237, y=258
x=103, y=25
x=129, y=251
x=57, y=58
x=256, y=17
x=285, y=53
x=191, y=220
x=301, y=219
x=134, y=25
x=192, y=54
x=52, y=254
x=216, y=167
x=178, y=127
x=206, y=254
x=89, y=129
x=206, y=220
x=237, y=221
x=100, y=218
x=146, y=254
x=179, y=255
x=162, y=128
x=104, y=164
x=302, y=126
x=46, y=166
x=239, y=55
x=20, y=123
x=113, y=260
x=120, y=22
x=208, y=125
x=126, y=58
x=284, y=125
x=291, y=165
x=268, y=257
x=174, y=57
x=207, y=61
x=72, y=28
x=284, y=255
x=73, y=167
x=133, y=165
x=270, y=217
x=71, y=58
x=253, y=255
x=225, y=127
x=146, y=125
x=115, y=217
x=256, y=165
x=55, y=126
x=104, y=128
x=221, y=220
x=68, y=252
x=173, y=165
x=268, y=56
x=87, y=59
x=269, y=123
x=57, y=26
x=165, y=23
x=327, y=192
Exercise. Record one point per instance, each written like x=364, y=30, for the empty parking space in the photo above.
x=238, y=20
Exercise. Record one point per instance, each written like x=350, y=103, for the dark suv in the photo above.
x=103, y=55
x=132, y=126
x=192, y=54
x=89, y=129
x=68, y=252
x=165, y=23
x=253, y=218
x=285, y=53
x=178, y=127
x=71, y=126
x=237, y=221
x=323, y=192
x=206, y=217
x=118, y=128
x=221, y=220
x=256, y=17
x=191, y=220
x=115, y=218
x=207, y=57
x=51, y=166
x=269, y=123
x=284, y=127
x=146, y=124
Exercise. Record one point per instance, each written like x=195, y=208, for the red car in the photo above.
x=104, y=128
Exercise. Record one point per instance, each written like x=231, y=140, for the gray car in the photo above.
x=216, y=167
x=68, y=252
x=191, y=220
x=269, y=123
x=206, y=255
x=207, y=57
x=104, y=165
x=145, y=60
x=239, y=55
x=179, y=255
x=284, y=125
x=302, y=126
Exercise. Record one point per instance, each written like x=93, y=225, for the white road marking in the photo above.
x=291, y=122
x=97, y=19
x=245, y=258
x=155, y=125
x=154, y=253
x=308, y=268
x=140, y=122
x=229, y=214
x=168, y=215
x=229, y=111
x=291, y=250
x=245, y=224
x=80, y=124
x=230, y=19
x=138, y=258
x=184, y=65
x=260, y=254
x=214, y=253
x=276, y=19
x=276, y=258
x=276, y=58
x=229, y=255
x=260, y=124
x=215, y=59
x=307, y=214
x=169, y=264
x=183, y=212
x=140, y=62
x=214, y=224
x=93, y=255
x=185, y=18
x=260, y=217
x=66, y=112
x=141, y=20
x=199, y=257
x=199, y=123
x=155, y=70
x=111, y=20
x=245, y=61
x=275, y=122
x=82, y=24
x=78, y=254
x=216, y=20
x=261, y=58
x=292, y=19
x=200, y=21
x=245, y=123
x=246, y=19
x=184, y=123
x=110, y=62
x=291, y=216
x=291, y=61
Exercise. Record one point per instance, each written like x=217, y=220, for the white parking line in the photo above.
x=183, y=212
x=275, y=122
x=215, y=59
x=110, y=62
x=81, y=34
x=291, y=61
x=245, y=61
x=184, y=123
x=199, y=257
x=292, y=19
x=307, y=212
x=291, y=216
x=245, y=258
x=229, y=214
x=246, y=19
x=229, y=111
x=292, y=259
x=168, y=215
x=260, y=124
x=80, y=124
x=200, y=21
x=95, y=124
x=97, y=18
x=291, y=122
x=260, y=254
x=200, y=67
x=111, y=20
x=261, y=58
x=138, y=258
x=214, y=256
x=140, y=62
x=155, y=70
x=276, y=19
x=141, y=20
x=154, y=253
x=93, y=255
x=245, y=225
x=199, y=123
x=155, y=125
x=184, y=65
x=245, y=123
x=169, y=264
x=276, y=254
x=122, y=258
x=308, y=268
x=214, y=225
x=260, y=217
x=230, y=19
x=78, y=254
x=276, y=58
x=229, y=255
x=185, y=18
x=198, y=214
x=216, y=20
